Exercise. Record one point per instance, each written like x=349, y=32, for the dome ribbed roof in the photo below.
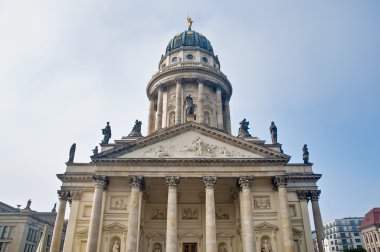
x=189, y=38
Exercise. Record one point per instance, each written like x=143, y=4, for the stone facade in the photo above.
x=370, y=230
x=21, y=229
x=189, y=185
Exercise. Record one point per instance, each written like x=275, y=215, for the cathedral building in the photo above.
x=189, y=185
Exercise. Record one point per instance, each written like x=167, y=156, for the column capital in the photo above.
x=280, y=181
x=179, y=81
x=172, y=181
x=209, y=182
x=100, y=181
x=303, y=195
x=200, y=81
x=245, y=182
x=314, y=195
x=75, y=195
x=63, y=194
x=136, y=182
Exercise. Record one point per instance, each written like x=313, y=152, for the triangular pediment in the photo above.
x=265, y=226
x=115, y=227
x=190, y=141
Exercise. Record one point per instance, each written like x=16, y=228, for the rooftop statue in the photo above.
x=107, y=133
x=273, y=132
x=189, y=105
x=136, y=130
x=243, y=130
x=28, y=204
x=305, y=154
x=72, y=153
x=95, y=151
x=189, y=23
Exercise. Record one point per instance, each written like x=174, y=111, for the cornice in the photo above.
x=190, y=68
x=76, y=177
x=304, y=177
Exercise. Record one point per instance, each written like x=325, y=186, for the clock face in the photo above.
x=204, y=59
x=189, y=57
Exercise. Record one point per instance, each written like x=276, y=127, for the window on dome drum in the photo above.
x=189, y=57
x=174, y=59
x=204, y=59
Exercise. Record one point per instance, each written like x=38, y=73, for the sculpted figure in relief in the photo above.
x=158, y=214
x=265, y=247
x=262, y=203
x=157, y=247
x=189, y=214
x=222, y=247
x=222, y=214
x=116, y=246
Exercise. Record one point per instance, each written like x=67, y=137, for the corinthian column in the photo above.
x=96, y=213
x=227, y=116
x=209, y=183
x=314, y=196
x=57, y=232
x=159, y=109
x=178, y=101
x=303, y=198
x=151, y=116
x=200, y=105
x=245, y=184
x=171, y=221
x=219, y=108
x=137, y=184
x=280, y=183
x=70, y=230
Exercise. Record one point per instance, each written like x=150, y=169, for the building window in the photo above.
x=190, y=57
x=205, y=60
x=5, y=233
x=358, y=240
x=356, y=234
x=174, y=59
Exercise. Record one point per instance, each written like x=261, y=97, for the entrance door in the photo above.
x=189, y=247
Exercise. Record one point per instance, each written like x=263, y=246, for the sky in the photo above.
x=313, y=67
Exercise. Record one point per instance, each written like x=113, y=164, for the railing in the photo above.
x=188, y=64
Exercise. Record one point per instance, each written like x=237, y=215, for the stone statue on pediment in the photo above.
x=273, y=132
x=305, y=155
x=72, y=153
x=106, y=133
x=243, y=129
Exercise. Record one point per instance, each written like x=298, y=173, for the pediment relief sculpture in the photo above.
x=115, y=226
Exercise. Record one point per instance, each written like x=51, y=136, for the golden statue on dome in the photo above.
x=189, y=23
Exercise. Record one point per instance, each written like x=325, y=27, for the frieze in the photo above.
x=189, y=213
x=261, y=203
x=222, y=214
x=118, y=203
x=158, y=213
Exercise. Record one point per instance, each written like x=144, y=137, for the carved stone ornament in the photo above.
x=303, y=195
x=136, y=182
x=200, y=81
x=100, y=181
x=261, y=203
x=118, y=203
x=75, y=195
x=209, y=182
x=314, y=195
x=63, y=194
x=222, y=214
x=280, y=181
x=172, y=181
x=158, y=214
x=189, y=214
x=245, y=182
x=179, y=81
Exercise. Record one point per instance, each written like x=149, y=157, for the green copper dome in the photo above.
x=189, y=39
